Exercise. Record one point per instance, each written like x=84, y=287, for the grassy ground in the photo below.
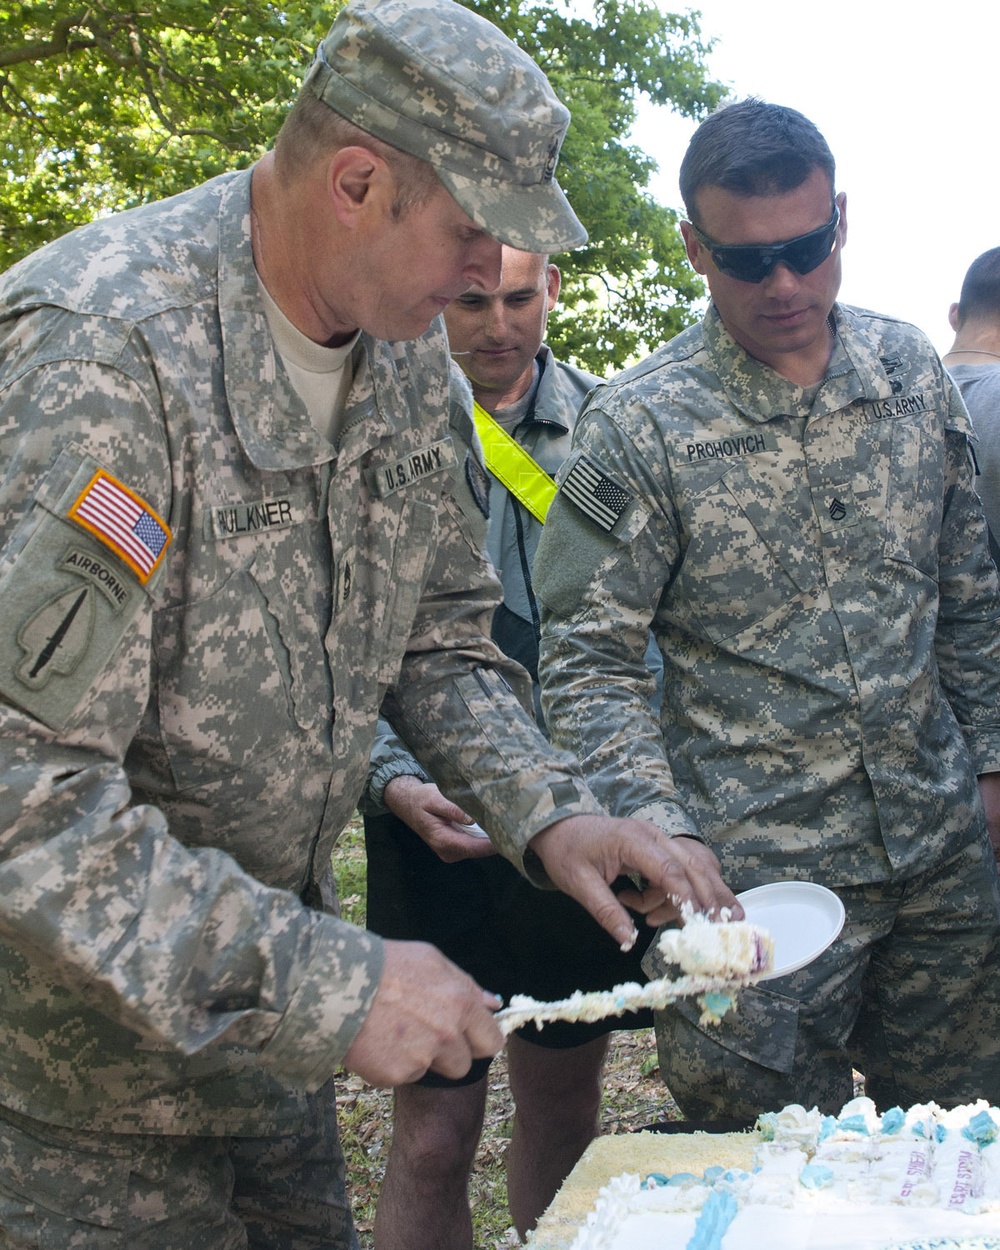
x=634, y=1096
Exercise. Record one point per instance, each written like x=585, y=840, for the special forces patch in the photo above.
x=56, y=638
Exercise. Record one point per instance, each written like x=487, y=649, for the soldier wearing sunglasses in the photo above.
x=785, y=495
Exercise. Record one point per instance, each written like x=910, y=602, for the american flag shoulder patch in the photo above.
x=122, y=521
x=595, y=494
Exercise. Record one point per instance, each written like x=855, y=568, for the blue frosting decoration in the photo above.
x=827, y=1127
x=854, y=1124
x=981, y=1129
x=948, y=1243
x=716, y=1215
x=816, y=1176
x=893, y=1120
x=718, y=1004
x=681, y=1178
x=727, y=1176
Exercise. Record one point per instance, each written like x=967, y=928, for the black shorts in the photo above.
x=512, y=937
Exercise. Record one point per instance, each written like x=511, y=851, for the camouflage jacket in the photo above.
x=813, y=565
x=204, y=605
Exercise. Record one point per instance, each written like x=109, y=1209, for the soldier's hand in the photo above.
x=583, y=854
x=421, y=806
x=426, y=1014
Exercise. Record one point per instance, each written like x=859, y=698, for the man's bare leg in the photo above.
x=424, y=1200
x=557, y=1096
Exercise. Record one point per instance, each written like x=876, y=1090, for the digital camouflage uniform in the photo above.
x=813, y=565
x=188, y=707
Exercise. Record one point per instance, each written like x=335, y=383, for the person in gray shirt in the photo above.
x=974, y=362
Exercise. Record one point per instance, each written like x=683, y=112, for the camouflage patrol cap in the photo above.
x=433, y=79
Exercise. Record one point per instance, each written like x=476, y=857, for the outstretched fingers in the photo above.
x=687, y=872
x=583, y=854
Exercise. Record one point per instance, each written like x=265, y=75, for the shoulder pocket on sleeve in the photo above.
x=66, y=598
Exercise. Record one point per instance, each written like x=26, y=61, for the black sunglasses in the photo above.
x=752, y=262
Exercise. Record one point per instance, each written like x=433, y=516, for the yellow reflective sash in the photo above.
x=510, y=464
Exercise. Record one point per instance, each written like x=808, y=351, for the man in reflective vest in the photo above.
x=429, y=879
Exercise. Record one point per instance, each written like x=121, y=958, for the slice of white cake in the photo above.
x=715, y=959
x=733, y=950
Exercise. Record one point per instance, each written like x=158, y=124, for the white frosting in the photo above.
x=989, y=1158
x=732, y=950
x=761, y=1227
x=904, y=1173
x=792, y=1124
x=923, y=1180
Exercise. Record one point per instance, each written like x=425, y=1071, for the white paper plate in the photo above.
x=802, y=918
x=477, y=831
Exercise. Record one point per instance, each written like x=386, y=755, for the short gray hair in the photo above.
x=312, y=132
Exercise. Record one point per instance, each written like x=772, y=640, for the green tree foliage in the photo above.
x=631, y=288
x=103, y=107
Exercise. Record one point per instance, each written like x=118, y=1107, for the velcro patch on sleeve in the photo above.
x=118, y=518
x=597, y=496
x=65, y=606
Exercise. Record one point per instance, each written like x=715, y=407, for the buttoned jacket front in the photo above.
x=814, y=569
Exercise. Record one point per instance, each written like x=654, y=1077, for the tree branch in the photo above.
x=44, y=49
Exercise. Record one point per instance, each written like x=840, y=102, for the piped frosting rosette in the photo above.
x=983, y=1128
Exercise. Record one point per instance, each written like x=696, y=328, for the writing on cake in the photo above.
x=921, y=1178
